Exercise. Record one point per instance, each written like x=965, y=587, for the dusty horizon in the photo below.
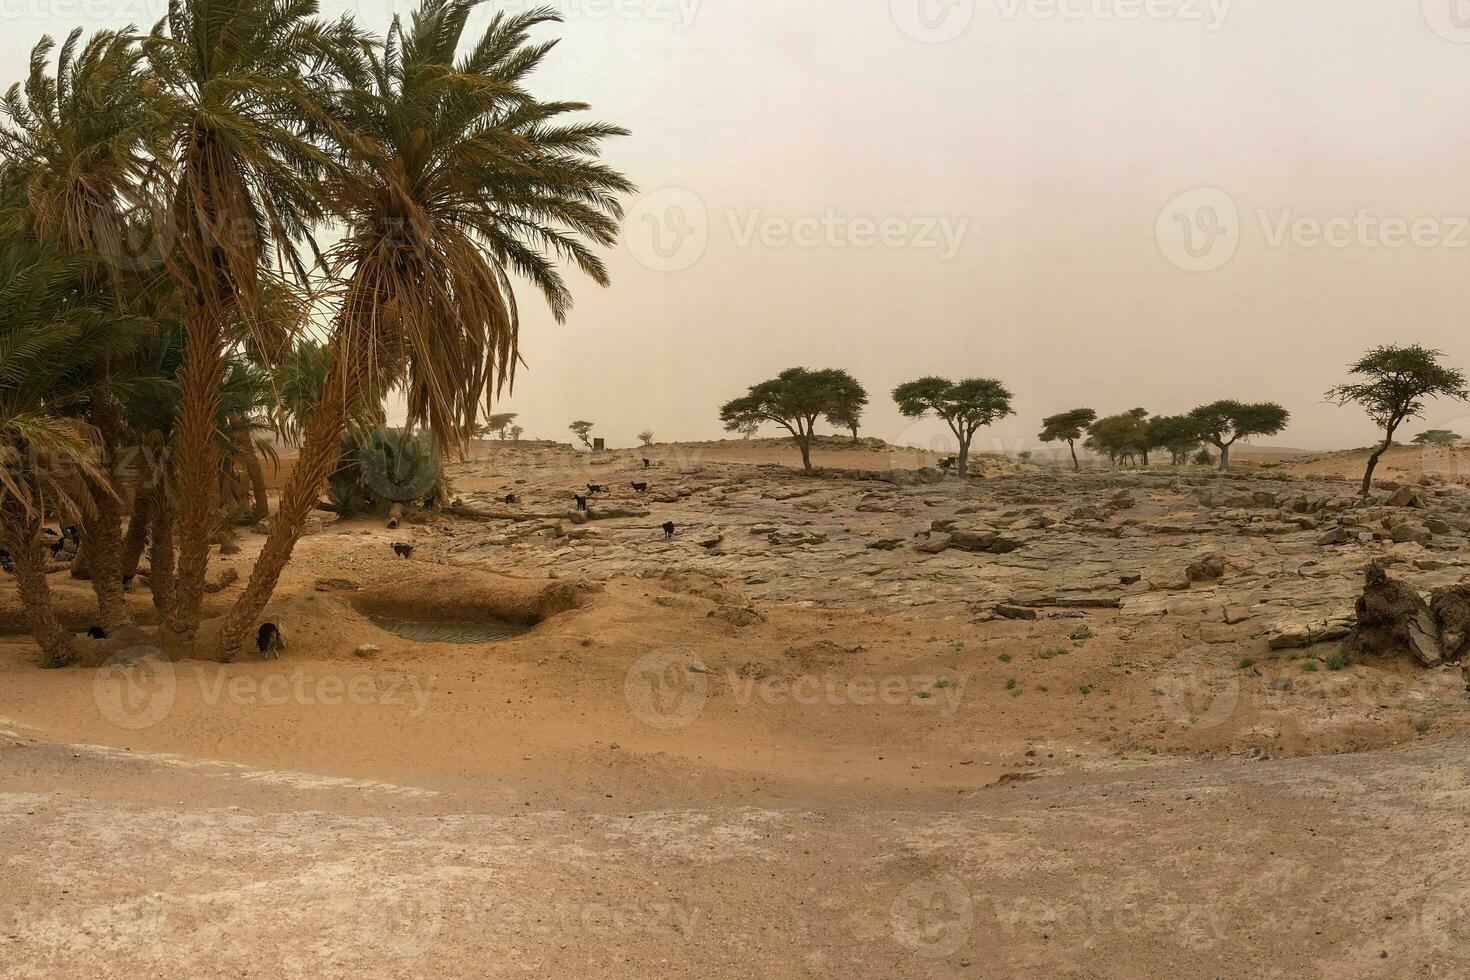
x=1011, y=203
x=996, y=189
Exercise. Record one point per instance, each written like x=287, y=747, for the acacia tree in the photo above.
x=646, y=437
x=1224, y=423
x=497, y=423
x=1396, y=382
x=1120, y=437
x=1178, y=434
x=582, y=430
x=1437, y=437
x=794, y=400
x=966, y=406
x=847, y=411
x=1067, y=427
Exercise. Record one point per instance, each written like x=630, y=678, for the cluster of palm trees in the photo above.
x=164, y=296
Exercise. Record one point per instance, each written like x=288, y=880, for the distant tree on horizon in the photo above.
x=794, y=400
x=1396, y=382
x=583, y=430
x=1121, y=438
x=497, y=424
x=1437, y=437
x=646, y=437
x=965, y=406
x=847, y=412
x=1068, y=427
x=515, y=432
x=1224, y=423
x=1178, y=434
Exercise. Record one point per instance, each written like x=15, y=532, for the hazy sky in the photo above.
x=999, y=188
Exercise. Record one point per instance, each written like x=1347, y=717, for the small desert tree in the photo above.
x=646, y=437
x=794, y=400
x=1396, y=381
x=847, y=412
x=515, y=432
x=1437, y=437
x=1067, y=427
x=1122, y=437
x=582, y=430
x=966, y=406
x=497, y=424
x=1178, y=434
x=1224, y=423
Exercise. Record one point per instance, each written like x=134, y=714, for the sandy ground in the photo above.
x=639, y=787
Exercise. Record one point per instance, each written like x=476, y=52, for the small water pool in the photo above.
x=447, y=631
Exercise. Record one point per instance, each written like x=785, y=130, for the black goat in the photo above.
x=402, y=550
x=581, y=501
x=669, y=530
x=97, y=632
x=640, y=487
x=268, y=639
x=594, y=488
x=511, y=498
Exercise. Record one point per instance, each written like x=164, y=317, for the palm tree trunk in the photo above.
x=138, y=527
x=320, y=453
x=22, y=536
x=196, y=468
x=260, y=508
x=102, y=532
x=161, y=552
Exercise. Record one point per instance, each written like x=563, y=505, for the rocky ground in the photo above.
x=880, y=721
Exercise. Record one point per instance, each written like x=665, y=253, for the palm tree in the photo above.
x=78, y=140
x=238, y=86
x=50, y=339
x=454, y=180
